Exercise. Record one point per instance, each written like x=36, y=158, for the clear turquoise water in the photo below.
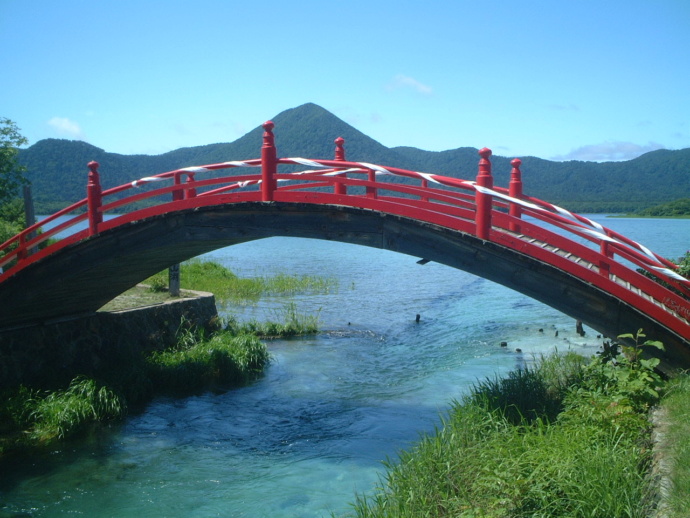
x=312, y=432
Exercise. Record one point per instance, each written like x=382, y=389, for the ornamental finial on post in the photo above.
x=269, y=140
x=340, y=149
x=93, y=171
x=485, y=168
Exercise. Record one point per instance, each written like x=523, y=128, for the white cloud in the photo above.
x=610, y=151
x=65, y=127
x=403, y=81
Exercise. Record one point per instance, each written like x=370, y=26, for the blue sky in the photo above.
x=586, y=80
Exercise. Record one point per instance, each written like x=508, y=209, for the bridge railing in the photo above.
x=477, y=207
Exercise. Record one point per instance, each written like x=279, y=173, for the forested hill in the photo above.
x=57, y=168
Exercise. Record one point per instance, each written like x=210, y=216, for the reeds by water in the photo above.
x=529, y=445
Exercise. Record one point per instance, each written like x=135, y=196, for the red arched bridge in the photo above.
x=550, y=254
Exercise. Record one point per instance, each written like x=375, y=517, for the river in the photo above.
x=311, y=433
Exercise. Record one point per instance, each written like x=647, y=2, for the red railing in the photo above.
x=565, y=240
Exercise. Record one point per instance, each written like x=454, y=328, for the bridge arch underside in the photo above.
x=83, y=277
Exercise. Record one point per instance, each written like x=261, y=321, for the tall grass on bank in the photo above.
x=226, y=286
x=545, y=441
x=675, y=431
x=47, y=416
x=222, y=359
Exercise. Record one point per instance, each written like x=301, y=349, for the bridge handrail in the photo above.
x=342, y=167
x=532, y=206
x=437, y=194
x=598, y=234
x=41, y=234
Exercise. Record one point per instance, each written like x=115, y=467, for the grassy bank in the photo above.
x=567, y=437
x=228, y=287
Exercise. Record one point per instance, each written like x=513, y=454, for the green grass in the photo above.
x=675, y=431
x=228, y=287
x=506, y=450
x=37, y=417
x=199, y=364
x=66, y=412
x=289, y=323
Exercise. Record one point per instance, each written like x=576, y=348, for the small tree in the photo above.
x=11, y=173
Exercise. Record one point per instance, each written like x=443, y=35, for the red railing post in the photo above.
x=94, y=198
x=189, y=192
x=269, y=163
x=515, y=191
x=604, y=263
x=340, y=188
x=483, y=201
x=22, y=252
x=425, y=185
x=177, y=194
x=371, y=191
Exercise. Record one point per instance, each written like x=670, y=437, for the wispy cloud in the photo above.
x=65, y=127
x=402, y=81
x=356, y=118
x=610, y=151
x=564, y=107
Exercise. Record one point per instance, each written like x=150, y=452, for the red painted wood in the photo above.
x=515, y=191
x=339, y=187
x=483, y=201
x=93, y=196
x=268, y=163
x=189, y=192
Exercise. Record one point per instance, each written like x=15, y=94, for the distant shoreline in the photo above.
x=684, y=216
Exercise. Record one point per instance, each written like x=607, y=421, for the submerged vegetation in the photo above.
x=566, y=437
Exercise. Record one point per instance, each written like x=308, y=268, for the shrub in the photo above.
x=157, y=284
